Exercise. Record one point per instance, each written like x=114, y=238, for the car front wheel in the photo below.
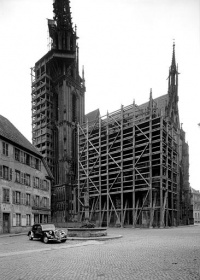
x=30, y=236
x=45, y=239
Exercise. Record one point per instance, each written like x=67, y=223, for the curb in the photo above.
x=70, y=238
x=13, y=234
x=108, y=237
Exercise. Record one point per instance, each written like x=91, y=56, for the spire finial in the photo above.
x=150, y=93
x=173, y=55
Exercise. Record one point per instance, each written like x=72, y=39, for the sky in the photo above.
x=126, y=49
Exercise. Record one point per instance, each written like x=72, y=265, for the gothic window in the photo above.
x=73, y=108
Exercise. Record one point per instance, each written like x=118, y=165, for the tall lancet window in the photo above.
x=73, y=107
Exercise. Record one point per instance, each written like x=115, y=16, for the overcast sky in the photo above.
x=125, y=47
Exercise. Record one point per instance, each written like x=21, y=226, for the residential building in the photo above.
x=196, y=205
x=25, y=182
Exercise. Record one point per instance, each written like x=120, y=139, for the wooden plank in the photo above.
x=153, y=210
x=124, y=214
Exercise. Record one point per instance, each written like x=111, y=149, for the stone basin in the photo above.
x=87, y=232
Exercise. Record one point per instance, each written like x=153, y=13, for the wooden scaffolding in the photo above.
x=128, y=168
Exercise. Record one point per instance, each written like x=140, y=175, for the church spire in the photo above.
x=173, y=89
x=62, y=14
x=61, y=28
x=173, y=73
x=173, y=64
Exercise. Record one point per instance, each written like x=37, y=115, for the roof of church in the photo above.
x=11, y=133
x=160, y=103
x=92, y=116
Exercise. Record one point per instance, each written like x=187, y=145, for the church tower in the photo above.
x=58, y=105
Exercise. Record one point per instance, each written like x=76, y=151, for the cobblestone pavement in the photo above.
x=148, y=254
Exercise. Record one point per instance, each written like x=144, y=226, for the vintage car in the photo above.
x=46, y=233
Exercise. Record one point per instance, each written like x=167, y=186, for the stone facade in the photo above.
x=196, y=205
x=134, y=164
x=58, y=104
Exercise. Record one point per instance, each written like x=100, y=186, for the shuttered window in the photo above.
x=28, y=199
x=17, y=154
x=5, y=172
x=5, y=148
x=16, y=197
x=18, y=219
x=14, y=220
x=23, y=221
x=28, y=219
x=6, y=195
x=23, y=178
x=17, y=176
x=28, y=180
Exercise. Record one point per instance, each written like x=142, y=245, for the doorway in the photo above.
x=6, y=222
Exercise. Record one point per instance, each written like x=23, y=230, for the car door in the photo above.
x=34, y=230
x=39, y=231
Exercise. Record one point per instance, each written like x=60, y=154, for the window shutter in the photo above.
x=22, y=178
x=13, y=197
x=14, y=220
x=34, y=181
x=10, y=174
x=41, y=184
x=32, y=219
x=42, y=202
x=23, y=220
x=1, y=171
x=30, y=203
x=24, y=198
x=21, y=156
x=47, y=202
x=21, y=198
x=33, y=200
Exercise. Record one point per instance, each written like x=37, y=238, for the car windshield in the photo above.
x=48, y=227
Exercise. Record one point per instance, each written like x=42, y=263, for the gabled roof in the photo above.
x=12, y=134
x=92, y=116
x=160, y=102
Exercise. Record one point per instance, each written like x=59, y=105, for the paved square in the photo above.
x=172, y=253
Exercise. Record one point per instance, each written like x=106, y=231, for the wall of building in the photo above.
x=24, y=189
x=196, y=205
x=186, y=213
